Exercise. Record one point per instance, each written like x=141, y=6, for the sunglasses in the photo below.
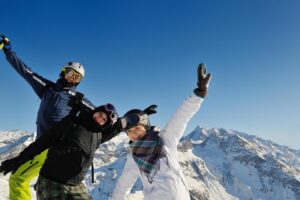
x=72, y=74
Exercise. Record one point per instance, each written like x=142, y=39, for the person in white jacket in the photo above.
x=154, y=156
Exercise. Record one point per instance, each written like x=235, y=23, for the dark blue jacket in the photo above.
x=56, y=100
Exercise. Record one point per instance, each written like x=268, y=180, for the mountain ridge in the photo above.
x=218, y=164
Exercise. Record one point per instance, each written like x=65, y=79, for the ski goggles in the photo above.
x=136, y=119
x=73, y=75
x=113, y=115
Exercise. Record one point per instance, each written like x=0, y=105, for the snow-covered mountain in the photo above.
x=219, y=164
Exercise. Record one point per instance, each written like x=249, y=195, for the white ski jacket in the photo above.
x=169, y=182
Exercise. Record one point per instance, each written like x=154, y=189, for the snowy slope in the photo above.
x=248, y=167
x=218, y=164
x=11, y=143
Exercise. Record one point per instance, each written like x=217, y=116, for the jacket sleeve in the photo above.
x=111, y=132
x=46, y=140
x=80, y=104
x=88, y=104
x=108, y=135
x=37, y=82
x=127, y=179
x=174, y=129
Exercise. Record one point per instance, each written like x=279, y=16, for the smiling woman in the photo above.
x=153, y=153
x=137, y=132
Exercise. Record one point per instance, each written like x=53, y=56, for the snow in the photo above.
x=218, y=164
x=4, y=187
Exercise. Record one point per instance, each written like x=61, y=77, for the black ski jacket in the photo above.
x=72, y=144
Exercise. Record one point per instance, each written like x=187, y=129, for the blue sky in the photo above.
x=141, y=52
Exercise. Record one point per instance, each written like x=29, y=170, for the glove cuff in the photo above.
x=200, y=93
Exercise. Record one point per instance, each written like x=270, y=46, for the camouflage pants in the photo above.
x=50, y=190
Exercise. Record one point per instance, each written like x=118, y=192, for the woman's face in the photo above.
x=100, y=118
x=136, y=132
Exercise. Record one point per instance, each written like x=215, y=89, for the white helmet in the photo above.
x=75, y=66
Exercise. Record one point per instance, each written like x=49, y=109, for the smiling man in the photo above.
x=57, y=100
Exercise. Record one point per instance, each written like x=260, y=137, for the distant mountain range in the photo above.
x=218, y=164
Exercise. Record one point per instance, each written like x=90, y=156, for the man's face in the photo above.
x=136, y=132
x=100, y=118
x=72, y=76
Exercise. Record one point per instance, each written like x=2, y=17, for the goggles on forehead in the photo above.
x=72, y=74
x=136, y=119
x=109, y=108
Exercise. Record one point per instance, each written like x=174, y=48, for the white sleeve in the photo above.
x=127, y=179
x=176, y=126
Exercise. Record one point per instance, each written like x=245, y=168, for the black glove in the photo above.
x=10, y=165
x=203, y=81
x=5, y=43
x=77, y=102
x=150, y=110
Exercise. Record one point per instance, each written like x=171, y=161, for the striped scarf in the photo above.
x=146, y=153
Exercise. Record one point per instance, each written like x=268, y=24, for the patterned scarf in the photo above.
x=146, y=153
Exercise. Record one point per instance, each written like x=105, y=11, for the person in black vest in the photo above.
x=72, y=144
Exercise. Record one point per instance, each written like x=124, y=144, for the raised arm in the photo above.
x=112, y=132
x=176, y=126
x=37, y=82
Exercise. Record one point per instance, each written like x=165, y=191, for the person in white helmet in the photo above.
x=153, y=153
x=57, y=101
